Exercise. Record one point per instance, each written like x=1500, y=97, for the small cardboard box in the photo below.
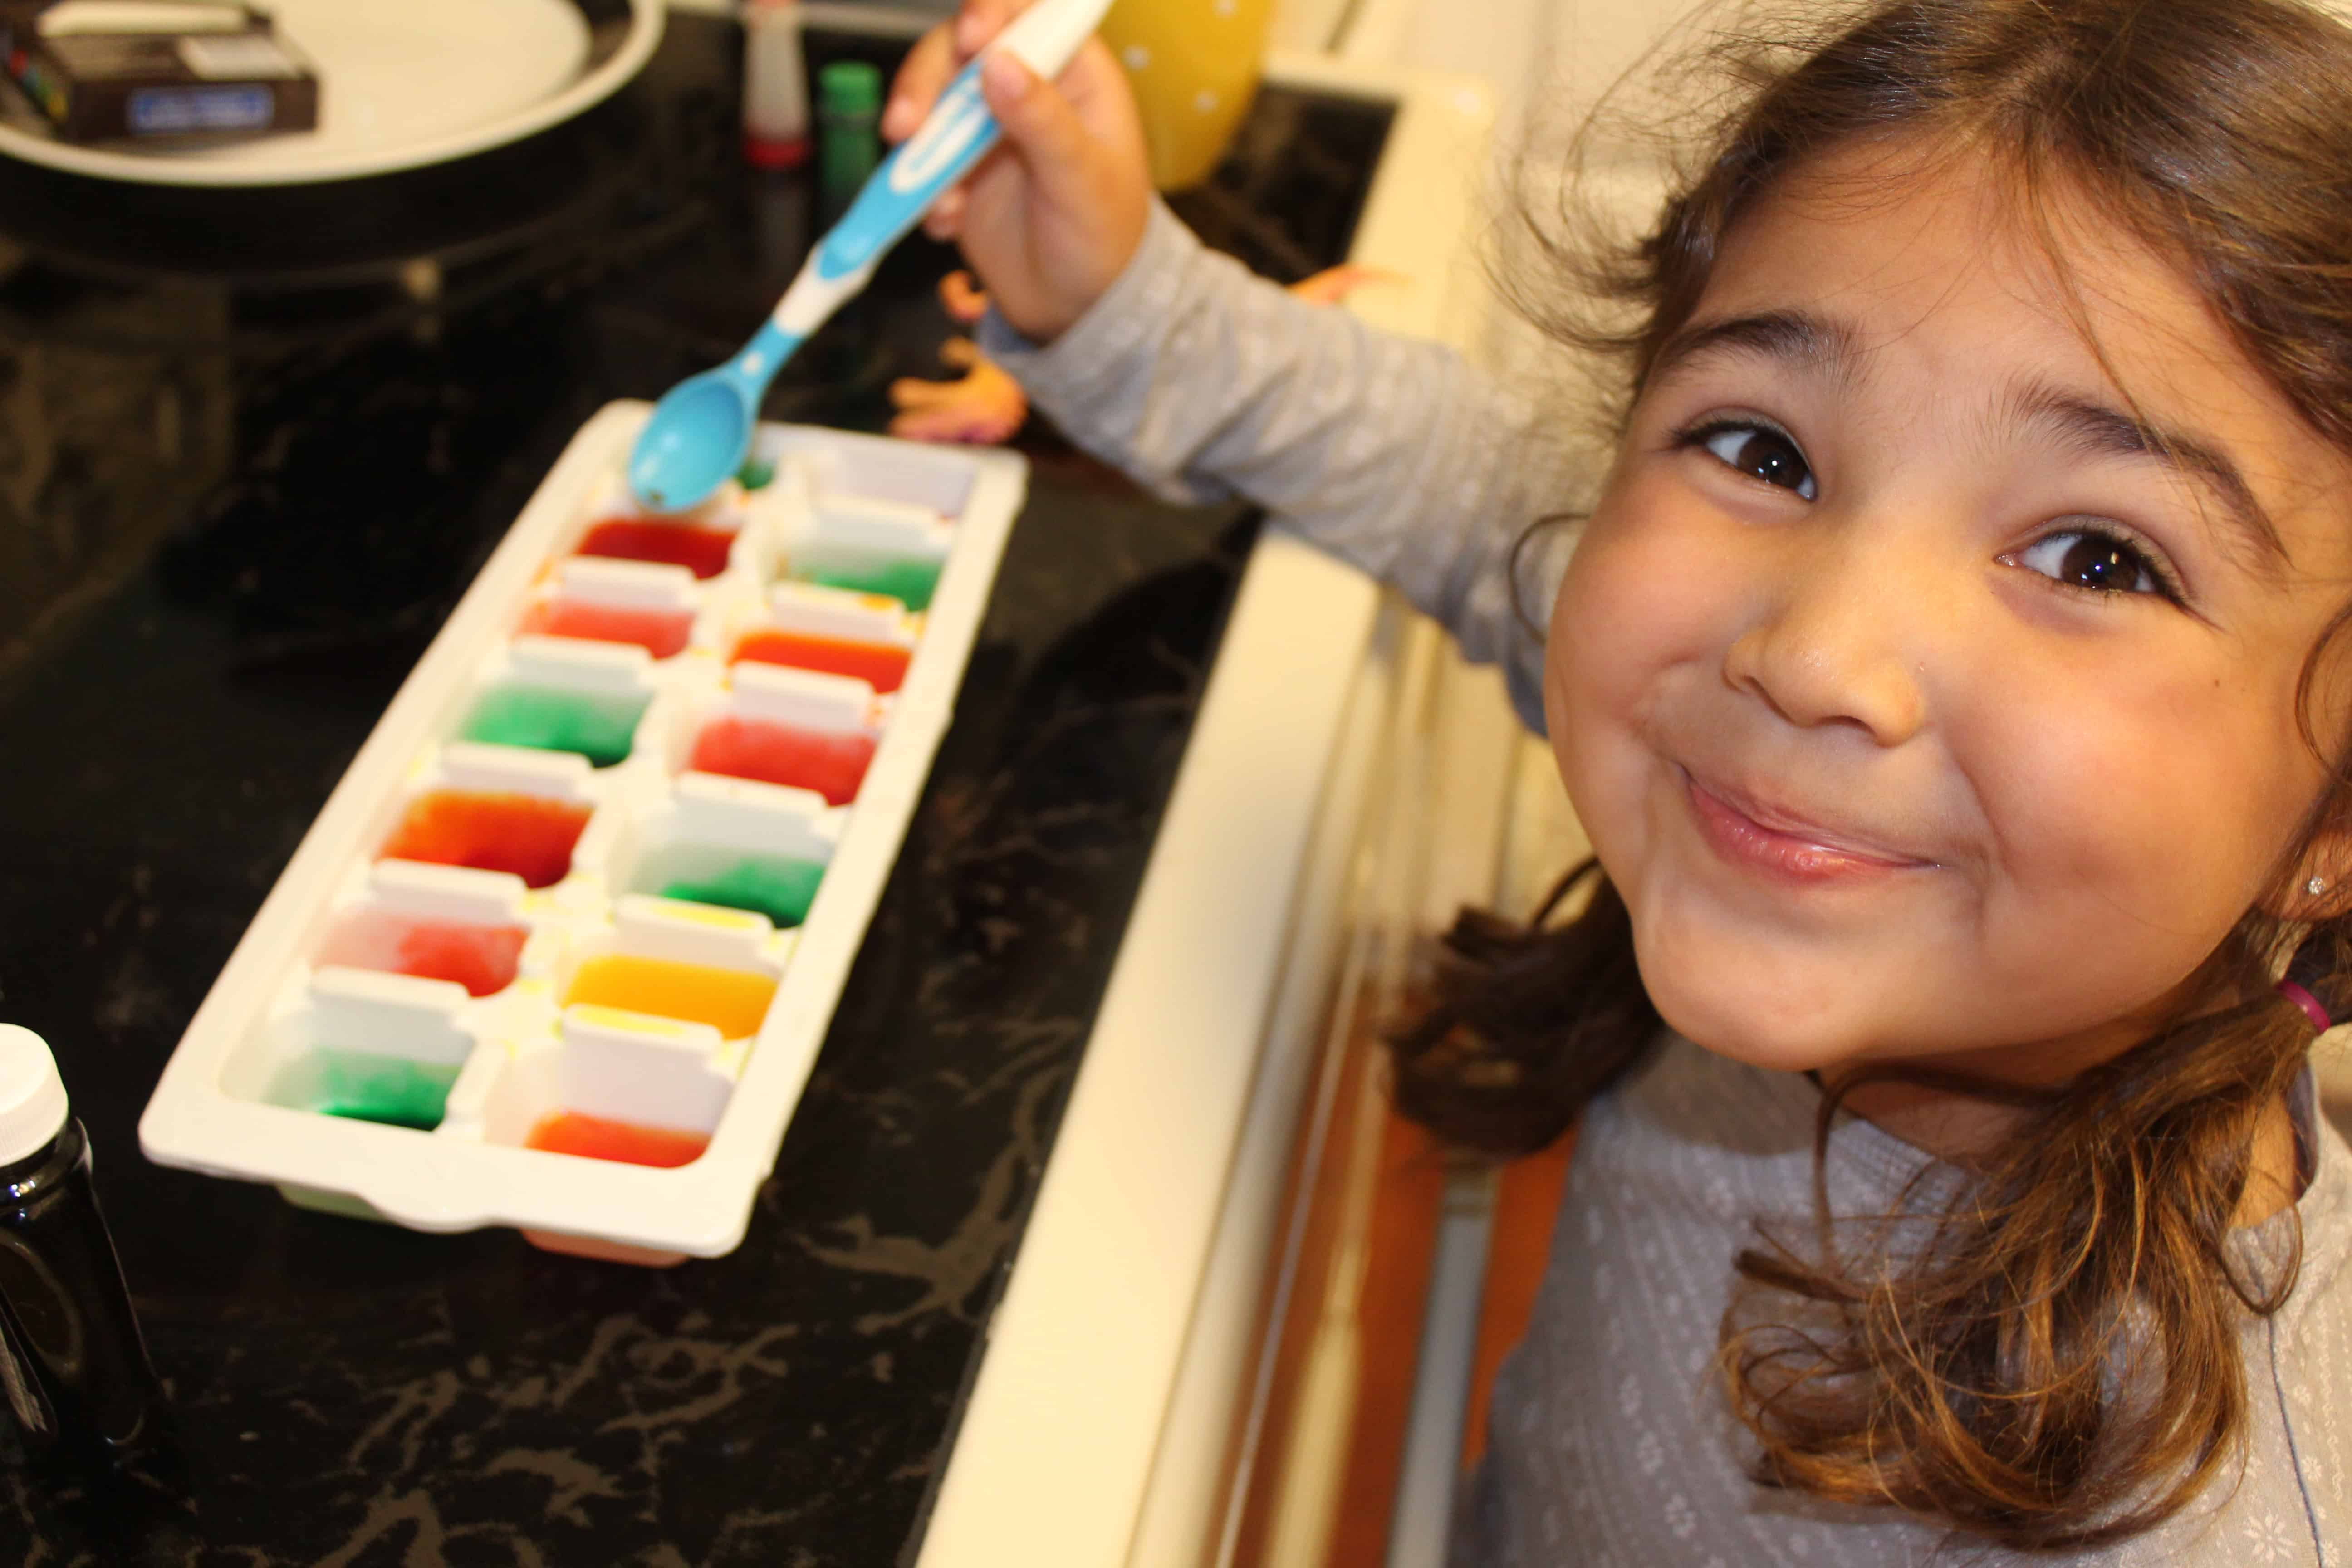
x=230, y=76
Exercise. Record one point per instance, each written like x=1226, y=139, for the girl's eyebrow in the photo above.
x=2096, y=429
x=1802, y=338
x=1799, y=337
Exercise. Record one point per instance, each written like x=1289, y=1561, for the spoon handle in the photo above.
x=756, y=364
x=955, y=135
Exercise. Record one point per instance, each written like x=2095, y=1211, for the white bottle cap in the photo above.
x=32, y=1096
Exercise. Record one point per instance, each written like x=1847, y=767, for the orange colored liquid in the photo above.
x=830, y=762
x=595, y=1138
x=730, y=1000
x=701, y=551
x=525, y=834
x=660, y=633
x=879, y=665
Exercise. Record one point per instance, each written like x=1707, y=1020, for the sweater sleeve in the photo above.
x=1206, y=383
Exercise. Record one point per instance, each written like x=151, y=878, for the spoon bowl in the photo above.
x=701, y=431
x=699, y=434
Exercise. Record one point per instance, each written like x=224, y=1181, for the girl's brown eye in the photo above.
x=1761, y=453
x=2086, y=558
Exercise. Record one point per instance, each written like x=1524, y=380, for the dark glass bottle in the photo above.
x=73, y=1368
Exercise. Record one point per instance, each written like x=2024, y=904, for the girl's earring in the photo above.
x=2315, y=887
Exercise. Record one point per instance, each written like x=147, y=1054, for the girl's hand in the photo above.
x=983, y=408
x=1050, y=218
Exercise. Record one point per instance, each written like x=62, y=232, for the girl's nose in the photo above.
x=1840, y=636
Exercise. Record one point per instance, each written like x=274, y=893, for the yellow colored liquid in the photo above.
x=729, y=1000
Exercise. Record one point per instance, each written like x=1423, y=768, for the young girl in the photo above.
x=1949, y=676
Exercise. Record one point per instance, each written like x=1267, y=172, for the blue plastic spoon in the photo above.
x=701, y=431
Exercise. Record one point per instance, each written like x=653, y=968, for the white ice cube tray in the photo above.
x=316, y=997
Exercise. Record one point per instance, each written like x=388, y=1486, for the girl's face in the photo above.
x=1918, y=705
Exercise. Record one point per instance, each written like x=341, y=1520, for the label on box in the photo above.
x=237, y=57
x=179, y=110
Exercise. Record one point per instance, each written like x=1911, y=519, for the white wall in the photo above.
x=1556, y=55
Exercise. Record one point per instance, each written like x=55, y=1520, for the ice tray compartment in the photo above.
x=612, y=1090
x=702, y=547
x=499, y=809
x=870, y=544
x=732, y=1001
x=730, y=844
x=649, y=1086
x=526, y=834
x=659, y=1017
x=563, y=694
x=432, y=922
x=561, y=949
x=940, y=483
x=796, y=729
x=365, y=1046
x=481, y=958
x=629, y=604
x=832, y=631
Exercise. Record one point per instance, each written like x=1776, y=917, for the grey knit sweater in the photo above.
x=1612, y=1442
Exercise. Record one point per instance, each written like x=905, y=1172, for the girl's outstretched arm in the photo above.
x=1204, y=382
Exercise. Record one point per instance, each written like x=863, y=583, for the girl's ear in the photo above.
x=2322, y=887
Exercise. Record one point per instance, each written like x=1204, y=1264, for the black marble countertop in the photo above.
x=253, y=445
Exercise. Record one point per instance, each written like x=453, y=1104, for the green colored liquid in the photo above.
x=550, y=719
x=770, y=885
x=910, y=582
x=393, y=1091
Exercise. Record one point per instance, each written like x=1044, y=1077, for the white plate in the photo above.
x=402, y=85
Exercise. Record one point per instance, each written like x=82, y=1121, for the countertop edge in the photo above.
x=1058, y=1443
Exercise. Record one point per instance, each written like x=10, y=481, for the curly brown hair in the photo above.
x=2048, y=1359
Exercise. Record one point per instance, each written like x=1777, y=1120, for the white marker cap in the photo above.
x=32, y=1096
x=1047, y=35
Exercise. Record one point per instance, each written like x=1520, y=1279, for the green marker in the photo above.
x=849, y=141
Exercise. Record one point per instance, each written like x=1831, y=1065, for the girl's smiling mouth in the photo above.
x=1755, y=838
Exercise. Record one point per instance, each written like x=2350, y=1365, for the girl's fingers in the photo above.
x=964, y=299
x=1092, y=81
x=953, y=205
x=913, y=395
x=1094, y=88
x=1040, y=126
x=945, y=220
x=925, y=70
x=979, y=21
x=1096, y=85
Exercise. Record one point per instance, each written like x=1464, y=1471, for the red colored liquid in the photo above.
x=481, y=958
x=879, y=665
x=831, y=764
x=702, y=551
x=594, y=1138
x=480, y=961
x=660, y=633
x=525, y=834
